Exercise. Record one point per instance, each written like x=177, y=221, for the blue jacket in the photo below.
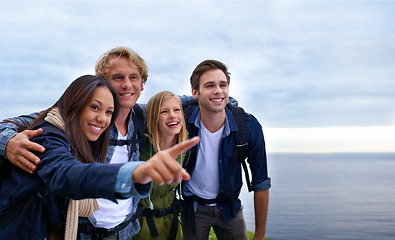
x=65, y=177
x=256, y=159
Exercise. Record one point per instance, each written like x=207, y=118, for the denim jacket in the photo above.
x=64, y=177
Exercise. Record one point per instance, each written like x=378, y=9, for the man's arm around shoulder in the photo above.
x=16, y=146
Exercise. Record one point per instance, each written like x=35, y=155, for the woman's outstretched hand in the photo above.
x=162, y=167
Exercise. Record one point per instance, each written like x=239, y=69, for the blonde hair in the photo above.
x=153, y=111
x=104, y=62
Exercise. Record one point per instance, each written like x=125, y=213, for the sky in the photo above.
x=318, y=75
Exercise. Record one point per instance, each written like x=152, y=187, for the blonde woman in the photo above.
x=165, y=127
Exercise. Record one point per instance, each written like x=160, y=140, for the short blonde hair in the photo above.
x=103, y=63
x=153, y=111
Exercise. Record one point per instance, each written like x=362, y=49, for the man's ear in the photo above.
x=195, y=93
x=142, y=87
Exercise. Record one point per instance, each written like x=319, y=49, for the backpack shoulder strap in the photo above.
x=188, y=110
x=138, y=121
x=240, y=135
x=241, y=140
x=190, y=156
x=139, y=131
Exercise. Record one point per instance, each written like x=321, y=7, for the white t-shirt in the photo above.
x=205, y=179
x=111, y=214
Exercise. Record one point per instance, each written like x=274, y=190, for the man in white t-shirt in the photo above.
x=211, y=195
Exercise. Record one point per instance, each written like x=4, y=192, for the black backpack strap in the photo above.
x=129, y=142
x=189, y=164
x=139, y=124
x=240, y=135
x=240, y=139
x=174, y=226
x=188, y=110
x=138, y=134
x=159, y=213
x=240, y=152
x=191, y=154
x=188, y=103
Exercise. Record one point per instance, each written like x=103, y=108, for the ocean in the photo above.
x=328, y=196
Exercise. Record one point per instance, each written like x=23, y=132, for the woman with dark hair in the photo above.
x=75, y=132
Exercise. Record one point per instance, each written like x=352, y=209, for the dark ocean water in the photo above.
x=329, y=196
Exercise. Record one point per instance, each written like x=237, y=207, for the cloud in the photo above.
x=294, y=64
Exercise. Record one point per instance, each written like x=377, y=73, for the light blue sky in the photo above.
x=319, y=75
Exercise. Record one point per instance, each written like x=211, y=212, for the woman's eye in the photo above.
x=95, y=107
x=164, y=111
x=177, y=110
x=109, y=112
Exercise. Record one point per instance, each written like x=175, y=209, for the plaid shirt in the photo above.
x=133, y=227
x=125, y=234
x=133, y=155
x=8, y=130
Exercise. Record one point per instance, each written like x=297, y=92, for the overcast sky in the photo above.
x=318, y=75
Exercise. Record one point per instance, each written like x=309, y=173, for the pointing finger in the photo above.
x=177, y=149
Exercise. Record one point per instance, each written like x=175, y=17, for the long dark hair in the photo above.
x=76, y=96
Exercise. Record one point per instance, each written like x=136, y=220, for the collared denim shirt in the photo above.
x=256, y=158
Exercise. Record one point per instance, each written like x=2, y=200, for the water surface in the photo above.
x=329, y=196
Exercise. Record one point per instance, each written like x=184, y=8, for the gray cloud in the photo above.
x=293, y=63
